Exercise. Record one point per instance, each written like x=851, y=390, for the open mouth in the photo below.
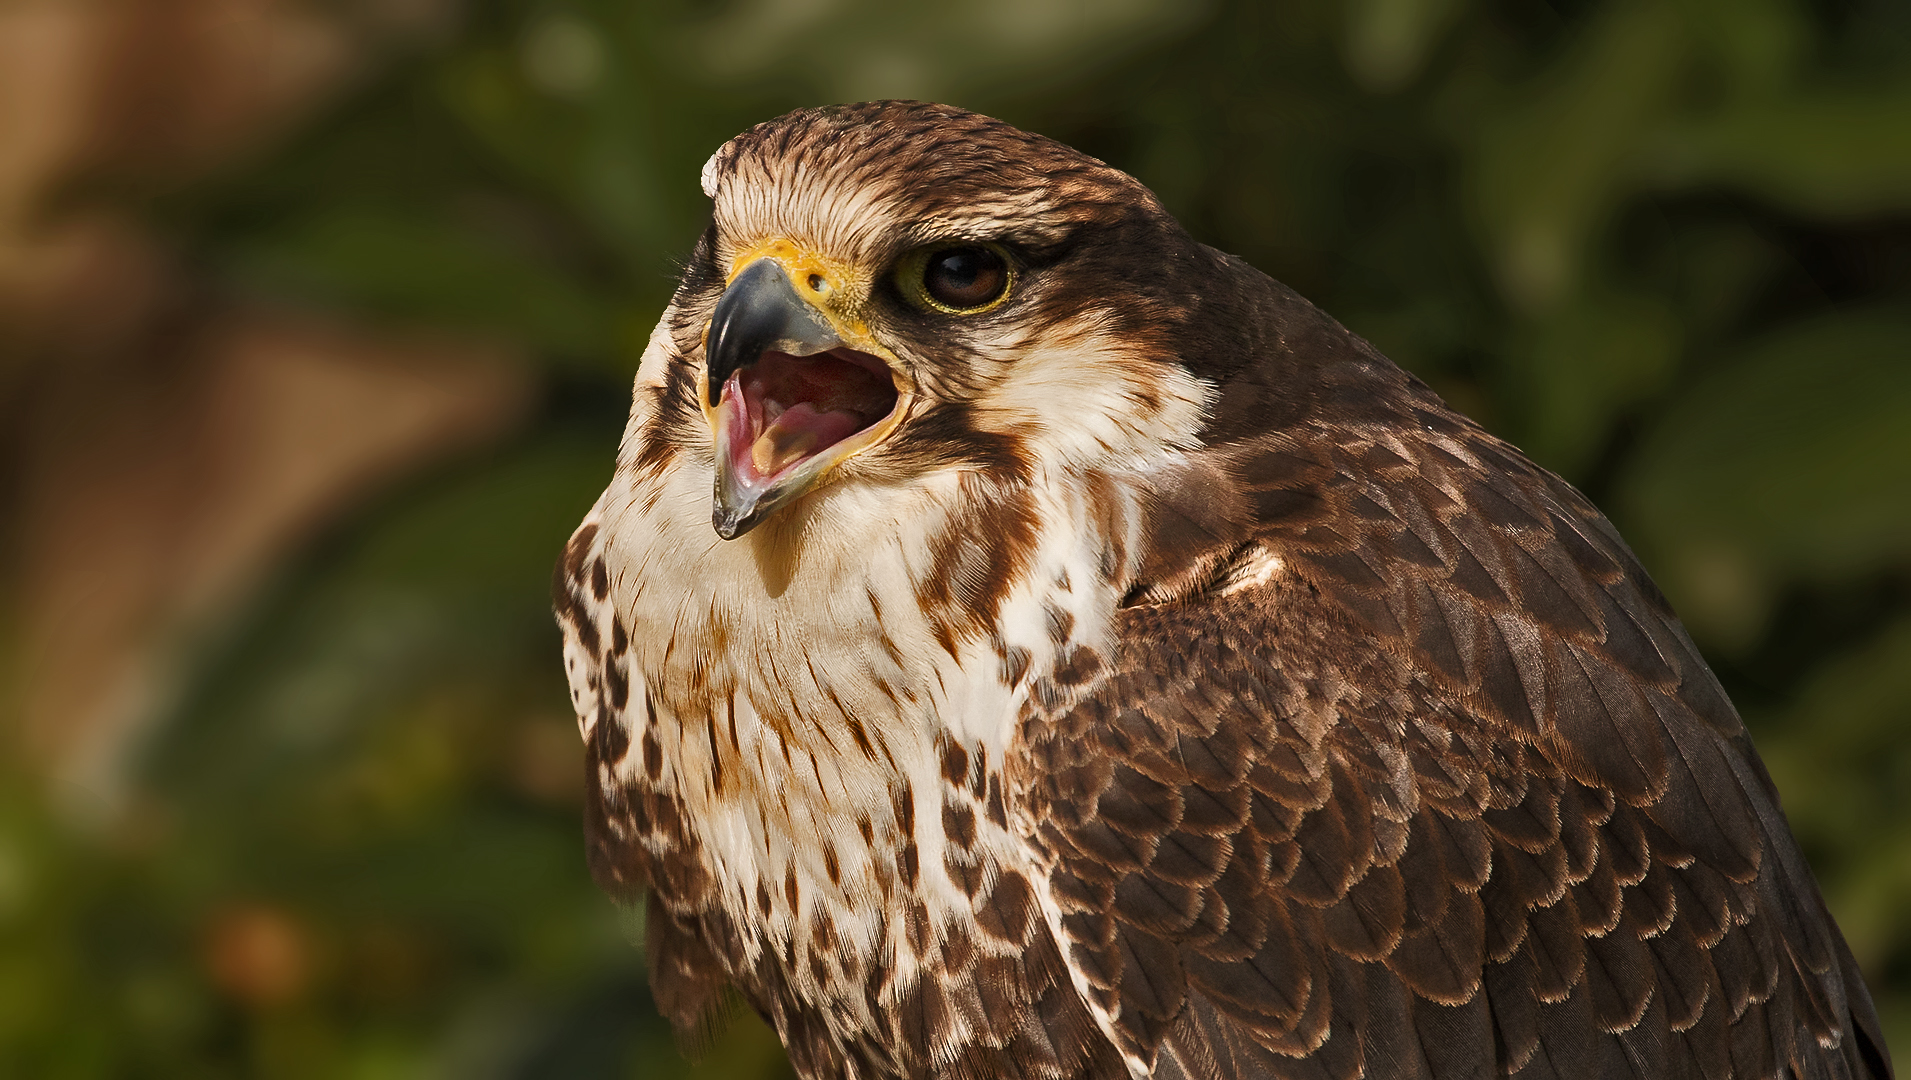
x=785, y=411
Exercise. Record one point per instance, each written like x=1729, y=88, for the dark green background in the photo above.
x=1663, y=245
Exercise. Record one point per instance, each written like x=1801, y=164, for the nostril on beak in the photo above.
x=759, y=312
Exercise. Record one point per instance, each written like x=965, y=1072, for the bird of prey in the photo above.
x=1020, y=641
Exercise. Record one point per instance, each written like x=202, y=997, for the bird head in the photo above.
x=894, y=294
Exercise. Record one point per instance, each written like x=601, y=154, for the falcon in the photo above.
x=1020, y=641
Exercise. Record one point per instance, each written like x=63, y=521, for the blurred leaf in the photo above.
x=1832, y=153
x=1554, y=164
x=1758, y=45
x=1840, y=755
x=424, y=269
x=1388, y=41
x=442, y=589
x=1793, y=459
x=851, y=50
x=597, y=153
x=1580, y=365
x=1714, y=275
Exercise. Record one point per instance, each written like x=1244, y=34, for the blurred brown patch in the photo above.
x=185, y=86
x=388, y=964
x=155, y=494
x=126, y=94
x=161, y=451
x=547, y=761
x=259, y=955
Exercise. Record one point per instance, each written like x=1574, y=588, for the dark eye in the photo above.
x=965, y=278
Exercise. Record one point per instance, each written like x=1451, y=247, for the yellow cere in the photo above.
x=821, y=280
x=827, y=283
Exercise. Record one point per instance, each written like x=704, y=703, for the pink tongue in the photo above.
x=799, y=432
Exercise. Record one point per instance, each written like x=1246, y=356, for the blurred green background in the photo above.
x=316, y=326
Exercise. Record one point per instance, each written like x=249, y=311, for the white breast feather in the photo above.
x=713, y=649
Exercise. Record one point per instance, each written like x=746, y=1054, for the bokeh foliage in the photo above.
x=1664, y=245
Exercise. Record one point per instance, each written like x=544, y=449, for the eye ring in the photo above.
x=958, y=278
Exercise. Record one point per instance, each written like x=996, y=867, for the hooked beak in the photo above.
x=786, y=396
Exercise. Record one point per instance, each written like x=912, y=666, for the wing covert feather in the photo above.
x=1451, y=794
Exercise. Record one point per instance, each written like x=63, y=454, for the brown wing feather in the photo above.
x=1451, y=795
